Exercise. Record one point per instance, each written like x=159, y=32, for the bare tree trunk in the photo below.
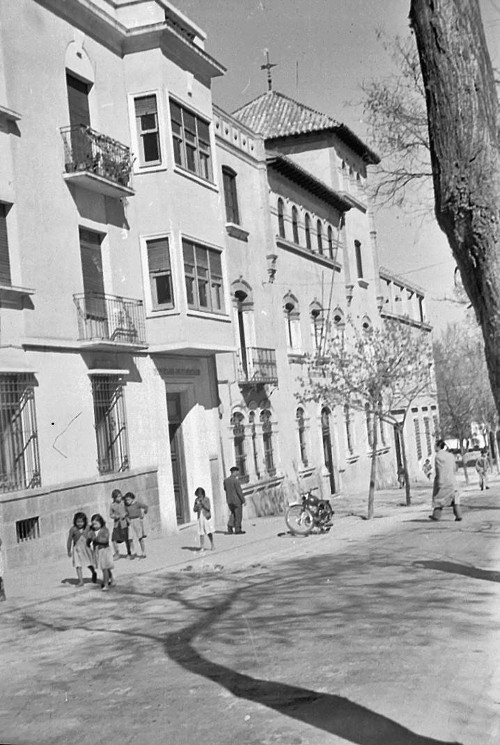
x=405, y=466
x=462, y=109
x=373, y=469
x=464, y=464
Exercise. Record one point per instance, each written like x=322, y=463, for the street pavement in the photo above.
x=381, y=632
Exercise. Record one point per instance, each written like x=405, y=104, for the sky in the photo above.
x=324, y=50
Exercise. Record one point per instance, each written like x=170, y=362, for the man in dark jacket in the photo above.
x=235, y=501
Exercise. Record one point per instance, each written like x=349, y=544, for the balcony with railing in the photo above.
x=257, y=366
x=96, y=161
x=110, y=322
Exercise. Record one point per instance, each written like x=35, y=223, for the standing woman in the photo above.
x=205, y=521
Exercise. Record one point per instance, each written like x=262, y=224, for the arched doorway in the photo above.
x=327, y=447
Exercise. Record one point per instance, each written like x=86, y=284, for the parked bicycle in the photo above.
x=309, y=514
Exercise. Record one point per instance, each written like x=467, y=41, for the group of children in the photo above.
x=89, y=544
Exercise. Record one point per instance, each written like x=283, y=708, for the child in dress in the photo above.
x=103, y=555
x=2, y=588
x=135, y=512
x=118, y=513
x=205, y=522
x=78, y=548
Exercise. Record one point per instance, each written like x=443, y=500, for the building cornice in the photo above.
x=286, y=167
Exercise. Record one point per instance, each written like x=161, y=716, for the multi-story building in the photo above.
x=165, y=268
x=114, y=296
x=404, y=301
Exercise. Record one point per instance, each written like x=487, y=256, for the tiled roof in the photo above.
x=275, y=115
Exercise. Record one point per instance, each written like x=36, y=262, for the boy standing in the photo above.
x=136, y=511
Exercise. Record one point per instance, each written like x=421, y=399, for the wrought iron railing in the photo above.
x=86, y=150
x=110, y=318
x=257, y=365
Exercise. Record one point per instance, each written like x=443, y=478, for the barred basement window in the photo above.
x=110, y=424
x=19, y=459
x=27, y=530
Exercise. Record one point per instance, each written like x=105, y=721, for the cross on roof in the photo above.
x=268, y=66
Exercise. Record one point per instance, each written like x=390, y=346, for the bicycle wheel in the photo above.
x=299, y=520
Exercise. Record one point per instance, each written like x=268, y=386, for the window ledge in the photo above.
x=11, y=292
x=307, y=253
x=161, y=313
x=194, y=177
x=235, y=231
x=296, y=356
x=138, y=171
x=352, y=459
x=307, y=470
x=363, y=283
x=210, y=315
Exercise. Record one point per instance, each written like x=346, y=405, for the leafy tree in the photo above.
x=462, y=112
x=379, y=372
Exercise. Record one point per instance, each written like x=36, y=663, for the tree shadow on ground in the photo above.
x=467, y=571
x=328, y=712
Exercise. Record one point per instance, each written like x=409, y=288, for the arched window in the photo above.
x=301, y=428
x=319, y=234
x=330, y=242
x=253, y=437
x=237, y=423
x=359, y=259
x=292, y=322
x=338, y=318
x=307, y=225
x=295, y=224
x=348, y=429
x=281, y=218
x=267, y=440
x=317, y=325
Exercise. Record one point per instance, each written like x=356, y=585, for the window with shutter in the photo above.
x=230, y=195
x=191, y=140
x=160, y=273
x=5, y=278
x=93, y=280
x=148, y=133
x=203, y=275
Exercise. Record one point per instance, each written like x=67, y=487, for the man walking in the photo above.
x=445, y=491
x=235, y=501
x=482, y=467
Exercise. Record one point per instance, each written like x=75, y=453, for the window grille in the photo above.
x=418, y=440
x=19, y=458
x=239, y=444
x=110, y=424
x=28, y=529
x=267, y=439
x=203, y=274
x=191, y=141
x=301, y=426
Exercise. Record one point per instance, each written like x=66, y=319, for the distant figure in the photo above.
x=205, y=521
x=118, y=513
x=235, y=501
x=427, y=468
x=445, y=491
x=482, y=468
x=401, y=477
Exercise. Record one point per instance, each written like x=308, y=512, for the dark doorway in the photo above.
x=327, y=448
x=95, y=311
x=174, y=408
x=79, y=119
